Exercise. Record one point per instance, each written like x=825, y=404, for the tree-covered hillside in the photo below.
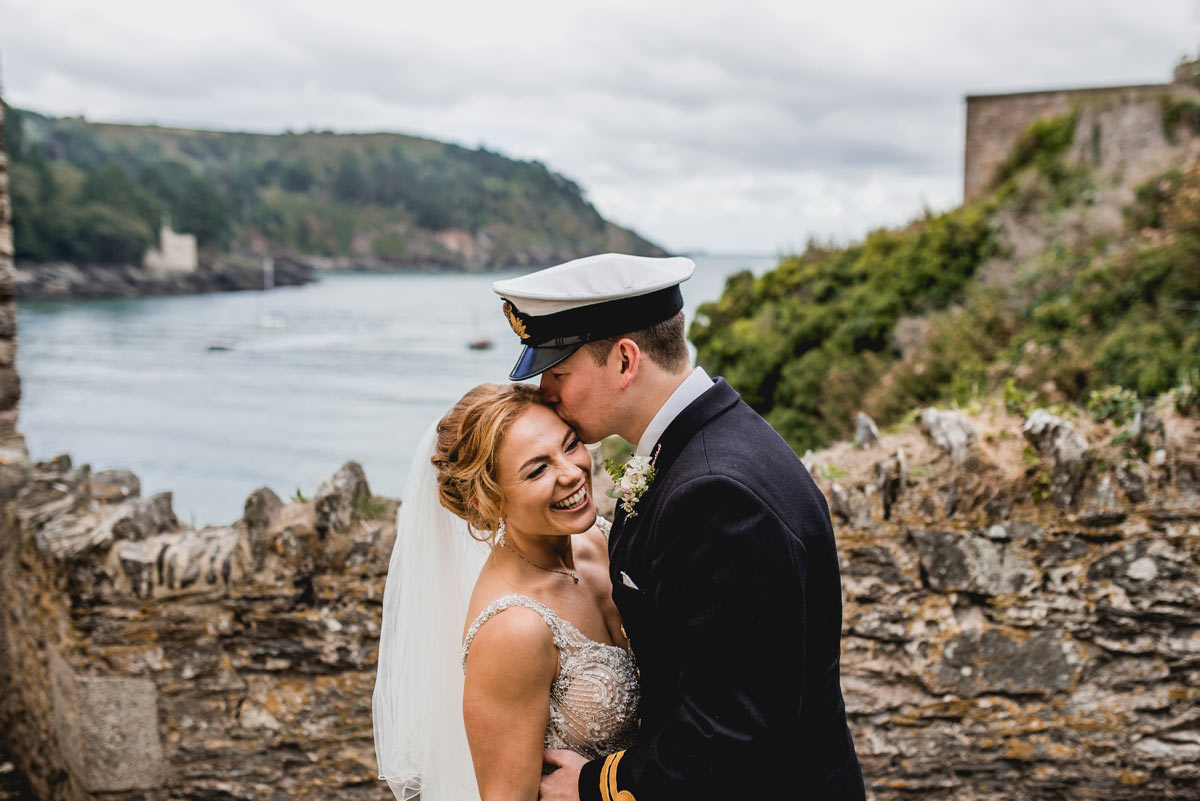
x=1078, y=272
x=93, y=192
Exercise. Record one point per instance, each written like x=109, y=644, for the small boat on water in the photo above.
x=272, y=321
x=220, y=343
x=483, y=343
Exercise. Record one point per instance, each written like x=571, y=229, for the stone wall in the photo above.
x=13, y=462
x=996, y=122
x=10, y=382
x=1022, y=606
x=153, y=661
x=1021, y=621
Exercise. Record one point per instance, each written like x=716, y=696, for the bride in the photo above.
x=500, y=637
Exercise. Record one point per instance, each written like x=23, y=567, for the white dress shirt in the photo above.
x=692, y=387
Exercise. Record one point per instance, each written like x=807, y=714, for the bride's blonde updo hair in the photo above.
x=468, y=437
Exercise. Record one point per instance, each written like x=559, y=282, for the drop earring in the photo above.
x=500, y=532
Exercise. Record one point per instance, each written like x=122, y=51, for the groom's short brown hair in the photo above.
x=663, y=342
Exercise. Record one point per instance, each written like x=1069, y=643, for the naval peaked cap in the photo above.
x=557, y=310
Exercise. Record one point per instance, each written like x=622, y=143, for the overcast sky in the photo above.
x=744, y=126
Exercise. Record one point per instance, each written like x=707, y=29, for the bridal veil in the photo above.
x=420, y=740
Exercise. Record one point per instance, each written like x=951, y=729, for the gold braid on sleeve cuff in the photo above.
x=608, y=780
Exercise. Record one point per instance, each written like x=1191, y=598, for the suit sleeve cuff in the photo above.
x=589, y=781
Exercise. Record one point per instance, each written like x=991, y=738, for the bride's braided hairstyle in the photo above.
x=468, y=437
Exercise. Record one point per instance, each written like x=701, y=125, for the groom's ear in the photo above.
x=628, y=359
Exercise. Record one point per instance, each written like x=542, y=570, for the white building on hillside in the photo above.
x=176, y=253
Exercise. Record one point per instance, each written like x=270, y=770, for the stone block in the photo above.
x=260, y=509
x=974, y=663
x=1068, y=453
x=15, y=472
x=10, y=388
x=5, y=199
x=1099, y=505
x=1148, y=427
x=8, y=421
x=114, y=486
x=136, y=520
x=6, y=249
x=59, y=464
x=261, y=505
x=890, y=479
x=866, y=433
x=840, y=503
x=954, y=562
x=8, y=280
x=183, y=563
x=8, y=352
x=107, y=729
x=1134, y=477
x=950, y=432
x=1140, y=567
x=147, y=518
x=335, y=498
x=299, y=546
x=138, y=560
x=8, y=320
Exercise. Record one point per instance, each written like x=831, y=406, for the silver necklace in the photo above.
x=500, y=541
x=570, y=573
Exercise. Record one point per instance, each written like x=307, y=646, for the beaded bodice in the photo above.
x=594, y=697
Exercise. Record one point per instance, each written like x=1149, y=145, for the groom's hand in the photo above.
x=562, y=784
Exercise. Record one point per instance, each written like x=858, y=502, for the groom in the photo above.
x=724, y=568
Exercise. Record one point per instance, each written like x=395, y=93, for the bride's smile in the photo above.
x=573, y=502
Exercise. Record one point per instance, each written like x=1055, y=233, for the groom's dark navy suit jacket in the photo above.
x=735, y=621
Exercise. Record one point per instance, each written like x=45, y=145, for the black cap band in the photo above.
x=599, y=320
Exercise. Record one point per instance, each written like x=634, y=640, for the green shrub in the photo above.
x=102, y=234
x=1143, y=355
x=1178, y=111
x=1150, y=200
x=1042, y=146
x=368, y=507
x=1113, y=403
x=805, y=342
x=1186, y=396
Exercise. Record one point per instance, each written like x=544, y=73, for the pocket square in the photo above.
x=628, y=582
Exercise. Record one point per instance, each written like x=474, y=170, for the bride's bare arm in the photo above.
x=506, y=703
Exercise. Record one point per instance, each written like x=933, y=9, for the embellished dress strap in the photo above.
x=504, y=602
x=604, y=525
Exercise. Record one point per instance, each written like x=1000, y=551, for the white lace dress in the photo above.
x=594, y=697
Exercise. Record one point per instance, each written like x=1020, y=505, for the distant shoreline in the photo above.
x=59, y=281
x=66, y=281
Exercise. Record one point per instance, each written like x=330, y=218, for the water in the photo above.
x=364, y=364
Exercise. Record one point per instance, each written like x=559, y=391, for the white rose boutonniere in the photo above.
x=631, y=479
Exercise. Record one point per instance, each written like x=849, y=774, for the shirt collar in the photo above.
x=692, y=387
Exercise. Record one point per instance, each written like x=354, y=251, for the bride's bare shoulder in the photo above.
x=515, y=629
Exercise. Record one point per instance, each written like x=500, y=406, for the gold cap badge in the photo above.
x=518, y=327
